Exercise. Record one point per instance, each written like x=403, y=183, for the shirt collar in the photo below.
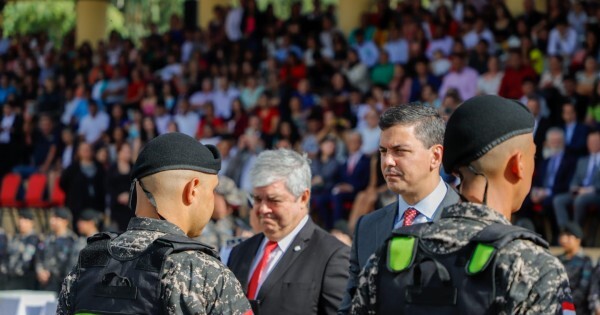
x=285, y=242
x=140, y=223
x=428, y=205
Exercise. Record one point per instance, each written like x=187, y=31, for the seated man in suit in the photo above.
x=585, y=185
x=575, y=132
x=411, y=155
x=353, y=176
x=552, y=175
x=293, y=267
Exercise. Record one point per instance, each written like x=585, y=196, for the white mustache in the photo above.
x=393, y=172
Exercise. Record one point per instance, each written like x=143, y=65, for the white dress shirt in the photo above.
x=92, y=127
x=276, y=254
x=6, y=124
x=562, y=45
x=426, y=207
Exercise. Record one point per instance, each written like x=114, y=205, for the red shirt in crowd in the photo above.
x=512, y=81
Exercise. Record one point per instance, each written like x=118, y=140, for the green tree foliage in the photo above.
x=25, y=17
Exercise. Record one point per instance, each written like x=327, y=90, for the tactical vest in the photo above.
x=109, y=285
x=413, y=280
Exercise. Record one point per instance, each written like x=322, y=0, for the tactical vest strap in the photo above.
x=402, y=247
x=494, y=237
x=96, y=253
x=183, y=243
x=401, y=253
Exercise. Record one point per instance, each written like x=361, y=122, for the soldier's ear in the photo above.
x=190, y=191
x=515, y=168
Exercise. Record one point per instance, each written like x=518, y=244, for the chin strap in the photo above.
x=146, y=192
x=476, y=172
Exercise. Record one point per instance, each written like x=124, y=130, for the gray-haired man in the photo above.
x=293, y=266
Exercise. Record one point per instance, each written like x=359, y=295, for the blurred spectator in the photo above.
x=370, y=133
x=356, y=72
x=21, y=252
x=577, y=264
x=6, y=89
x=592, y=117
x=562, y=40
x=552, y=175
x=83, y=182
x=11, y=135
x=584, y=187
x=382, y=72
x=223, y=97
x=489, y=82
x=575, y=132
x=461, y=77
x=187, y=120
x=553, y=77
x=93, y=124
x=117, y=187
x=396, y=47
x=514, y=74
x=587, y=77
x=324, y=168
x=353, y=177
x=250, y=93
x=366, y=49
x=54, y=254
x=540, y=126
x=479, y=32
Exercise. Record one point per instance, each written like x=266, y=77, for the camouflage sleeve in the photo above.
x=194, y=283
x=594, y=297
x=533, y=281
x=581, y=288
x=65, y=297
x=365, y=296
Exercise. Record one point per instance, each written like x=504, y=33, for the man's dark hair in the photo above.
x=429, y=125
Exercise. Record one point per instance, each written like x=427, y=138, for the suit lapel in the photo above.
x=450, y=198
x=384, y=227
x=289, y=257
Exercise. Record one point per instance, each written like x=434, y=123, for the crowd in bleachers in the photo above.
x=252, y=81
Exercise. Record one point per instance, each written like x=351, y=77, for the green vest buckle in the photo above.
x=401, y=253
x=481, y=258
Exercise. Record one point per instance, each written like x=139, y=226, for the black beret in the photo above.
x=574, y=229
x=176, y=151
x=90, y=215
x=63, y=213
x=26, y=214
x=481, y=123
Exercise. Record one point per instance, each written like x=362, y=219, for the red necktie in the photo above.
x=409, y=216
x=253, y=285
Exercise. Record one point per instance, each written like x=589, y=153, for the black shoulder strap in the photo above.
x=96, y=254
x=153, y=258
x=498, y=235
x=414, y=230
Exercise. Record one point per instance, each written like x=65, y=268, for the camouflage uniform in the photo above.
x=54, y=255
x=192, y=283
x=20, y=263
x=579, y=269
x=216, y=233
x=79, y=244
x=594, y=296
x=3, y=258
x=529, y=279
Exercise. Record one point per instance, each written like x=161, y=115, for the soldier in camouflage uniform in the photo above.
x=489, y=144
x=54, y=254
x=3, y=252
x=87, y=225
x=579, y=266
x=224, y=225
x=594, y=296
x=22, y=249
x=174, y=178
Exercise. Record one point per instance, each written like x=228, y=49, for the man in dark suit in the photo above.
x=11, y=137
x=552, y=176
x=540, y=127
x=575, y=132
x=293, y=267
x=585, y=185
x=353, y=177
x=411, y=154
